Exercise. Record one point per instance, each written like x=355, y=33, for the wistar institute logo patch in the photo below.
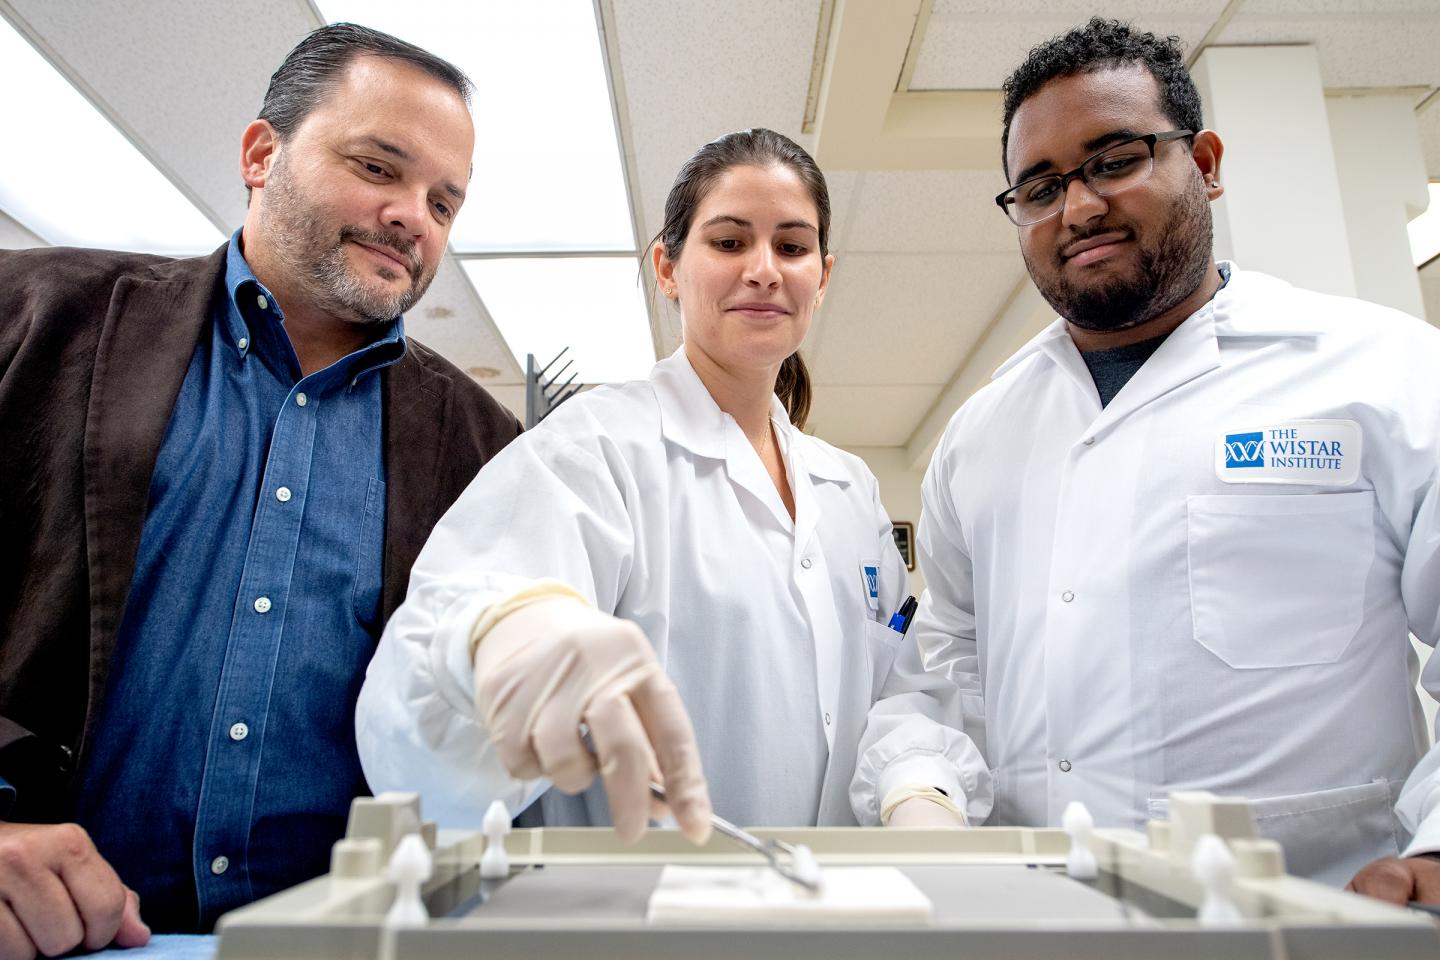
x=1321, y=452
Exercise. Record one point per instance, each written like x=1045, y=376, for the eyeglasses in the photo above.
x=1116, y=168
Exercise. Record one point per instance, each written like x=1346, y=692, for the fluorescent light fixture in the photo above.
x=593, y=305
x=548, y=176
x=1425, y=230
x=69, y=177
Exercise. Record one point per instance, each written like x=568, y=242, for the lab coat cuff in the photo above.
x=1427, y=834
x=921, y=770
x=524, y=597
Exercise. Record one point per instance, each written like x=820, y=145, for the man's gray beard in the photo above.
x=1168, y=273
x=316, y=255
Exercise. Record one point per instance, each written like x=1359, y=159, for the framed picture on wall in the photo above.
x=905, y=540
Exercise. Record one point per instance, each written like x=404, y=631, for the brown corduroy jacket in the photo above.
x=93, y=348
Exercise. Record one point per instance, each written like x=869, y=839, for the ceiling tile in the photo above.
x=1325, y=7
x=907, y=318
x=863, y=416
x=451, y=320
x=928, y=211
x=1371, y=50
x=971, y=46
x=696, y=71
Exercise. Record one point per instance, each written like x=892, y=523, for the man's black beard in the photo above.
x=1167, y=273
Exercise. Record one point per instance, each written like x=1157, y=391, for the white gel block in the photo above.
x=721, y=896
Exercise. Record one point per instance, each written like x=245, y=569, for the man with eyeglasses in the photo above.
x=1178, y=542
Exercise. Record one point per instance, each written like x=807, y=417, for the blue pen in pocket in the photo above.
x=900, y=622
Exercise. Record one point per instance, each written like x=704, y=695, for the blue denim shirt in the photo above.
x=224, y=761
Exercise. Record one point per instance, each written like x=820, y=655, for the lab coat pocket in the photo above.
x=881, y=645
x=1279, y=581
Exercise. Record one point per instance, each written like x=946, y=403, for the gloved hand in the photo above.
x=547, y=667
x=919, y=812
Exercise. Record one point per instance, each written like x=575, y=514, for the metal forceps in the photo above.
x=799, y=868
x=805, y=875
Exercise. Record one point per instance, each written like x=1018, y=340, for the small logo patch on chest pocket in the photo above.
x=870, y=581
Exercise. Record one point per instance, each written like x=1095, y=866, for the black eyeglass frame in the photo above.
x=1006, y=198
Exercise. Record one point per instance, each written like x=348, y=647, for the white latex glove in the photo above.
x=549, y=666
x=918, y=813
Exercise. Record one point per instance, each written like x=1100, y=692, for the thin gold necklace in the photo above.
x=764, y=444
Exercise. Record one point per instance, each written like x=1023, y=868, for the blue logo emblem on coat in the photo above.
x=1244, y=450
x=872, y=582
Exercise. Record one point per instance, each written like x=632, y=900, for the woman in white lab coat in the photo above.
x=671, y=553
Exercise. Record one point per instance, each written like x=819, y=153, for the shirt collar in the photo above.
x=251, y=310
x=691, y=418
x=1246, y=305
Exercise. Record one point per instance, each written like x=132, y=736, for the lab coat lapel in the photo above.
x=690, y=417
x=745, y=470
x=1189, y=352
x=1055, y=343
x=151, y=331
x=416, y=409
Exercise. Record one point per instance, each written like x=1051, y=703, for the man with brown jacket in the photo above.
x=217, y=475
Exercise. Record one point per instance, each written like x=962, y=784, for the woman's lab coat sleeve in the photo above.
x=913, y=734
x=551, y=505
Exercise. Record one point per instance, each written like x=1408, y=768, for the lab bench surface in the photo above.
x=995, y=892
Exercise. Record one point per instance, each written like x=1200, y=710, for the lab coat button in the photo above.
x=827, y=719
x=1067, y=596
x=1064, y=766
x=219, y=865
x=806, y=563
x=1089, y=441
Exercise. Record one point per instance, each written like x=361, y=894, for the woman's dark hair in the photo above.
x=312, y=69
x=749, y=148
x=1098, y=45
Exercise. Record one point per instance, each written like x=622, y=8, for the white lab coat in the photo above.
x=1127, y=613
x=650, y=501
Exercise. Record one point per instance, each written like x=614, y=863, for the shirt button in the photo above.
x=262, y=604
x=243, y=342
x=283, y=494
x=301, y=399
x=262, y=303
x=1089, y=441
x=805, y=563
x=239, y=731
x=827, y=719
x=1064, y=766
x=1067, y=596
x=219, y=865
